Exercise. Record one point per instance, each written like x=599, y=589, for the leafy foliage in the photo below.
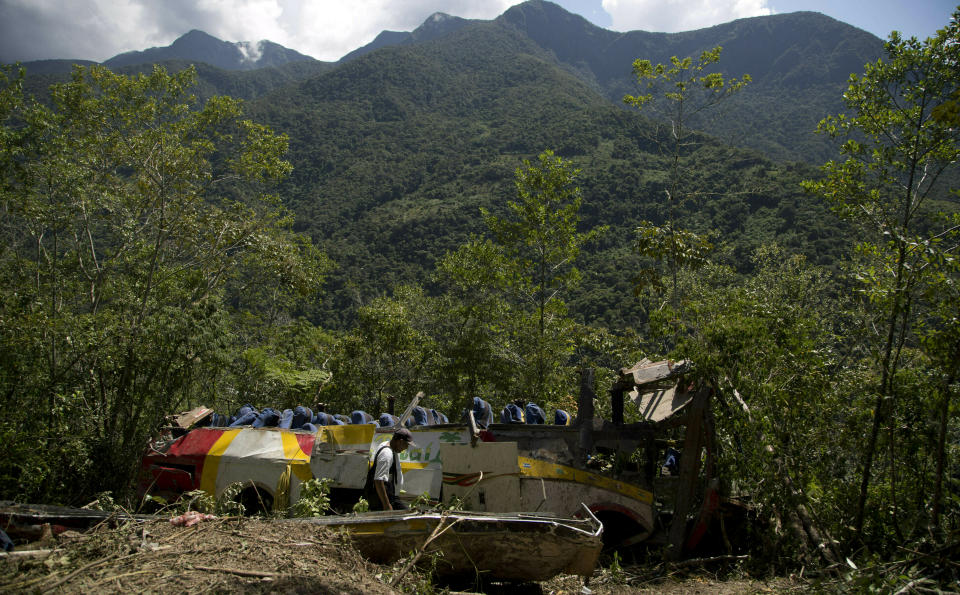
x=500, y=331
x=146, y=262
x=690, y=89
x=395, y=152
x=128, y=211
x=539, y=244
x=769, y=345
x=898, y=151
x=283, y=363
x=314, y=498
x=388, y=356
x=361, y=506
x=799, y=63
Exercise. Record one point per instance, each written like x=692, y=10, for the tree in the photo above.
x=531, y=263
x=767, y=344
x=940, y=337
x=129, y=210
x=283, y=365
x=468, y=327
x=694, y=91
x=898, y=142
x=389, y=355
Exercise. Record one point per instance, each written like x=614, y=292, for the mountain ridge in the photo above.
x=436, y=25
x=197, y=45
x=784, y=54
x=396, y=149
x=799, y=63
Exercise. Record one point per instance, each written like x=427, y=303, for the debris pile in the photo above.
x=220, y=555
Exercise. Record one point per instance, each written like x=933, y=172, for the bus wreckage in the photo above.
x=649, y=481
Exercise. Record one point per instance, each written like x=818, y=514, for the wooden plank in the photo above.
x=645, y=372
x=409, y=409
x=689, y=471
x=658, y=405
x=188, y=419
x=26, y=554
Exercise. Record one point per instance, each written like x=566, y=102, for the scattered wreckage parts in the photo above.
x=497, y=546
x=503, y=468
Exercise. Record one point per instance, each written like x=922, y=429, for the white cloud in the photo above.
x=324, y=29
x=671, y=16
x=328, y=30
x=39, y=29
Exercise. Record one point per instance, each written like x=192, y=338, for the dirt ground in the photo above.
x=238, y=555
x=679, y=584
x=264, y=556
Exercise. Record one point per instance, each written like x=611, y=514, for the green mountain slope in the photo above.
x=800, y=63
x=397, y=148
x=197, y=46
x=395, y=151
x=242, y=84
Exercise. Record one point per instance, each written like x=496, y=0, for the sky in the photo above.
x=327, y=29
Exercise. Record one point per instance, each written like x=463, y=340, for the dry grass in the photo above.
x=222, y=555
x=256, y=555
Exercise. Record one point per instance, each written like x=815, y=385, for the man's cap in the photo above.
x=404, y=434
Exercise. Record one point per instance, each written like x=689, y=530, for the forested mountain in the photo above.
x=197, y=46
x=477, y=211
x=395, y=151
x=396, y=147
x=244, y=70
x=437, y=25
x=799, y=62
x=241, y=84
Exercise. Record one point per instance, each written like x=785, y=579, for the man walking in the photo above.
x=385, y=477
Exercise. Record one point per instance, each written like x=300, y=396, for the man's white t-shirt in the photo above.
x=381, y=471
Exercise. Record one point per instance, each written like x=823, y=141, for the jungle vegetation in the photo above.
x=485, y=223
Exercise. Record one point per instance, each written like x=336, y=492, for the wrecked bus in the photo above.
x=616, y=469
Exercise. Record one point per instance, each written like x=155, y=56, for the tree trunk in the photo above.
x=941, y=451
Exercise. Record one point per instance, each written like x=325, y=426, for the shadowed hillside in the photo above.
x=397, y=146
x=396, y=151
